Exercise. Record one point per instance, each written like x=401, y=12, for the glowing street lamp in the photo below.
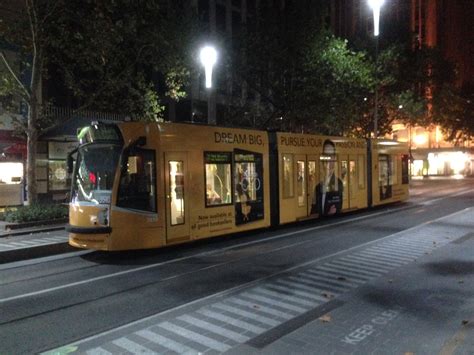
x=376, y=5
x=208, y=57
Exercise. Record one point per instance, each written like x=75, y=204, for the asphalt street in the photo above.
x=283, y=276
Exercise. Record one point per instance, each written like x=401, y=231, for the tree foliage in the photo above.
x=118, y=56
x=26, y=33
x=302, y=77
x=110, y=55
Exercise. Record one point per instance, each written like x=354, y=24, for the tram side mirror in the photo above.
x=132, y=164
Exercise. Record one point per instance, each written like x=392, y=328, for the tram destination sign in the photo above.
x=98, y=132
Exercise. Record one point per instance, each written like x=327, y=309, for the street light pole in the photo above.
x=376, y=108
x=376, y=5
x=208, y=58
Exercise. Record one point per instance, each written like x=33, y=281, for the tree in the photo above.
x=303, y=78
x=398, y=88
x=27, y=34
x=338, y=80
x=448, y=105
x=118, y=56
x=424, y=84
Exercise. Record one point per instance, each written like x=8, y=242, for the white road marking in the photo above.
x=131, y=346
x=213, y=328
x=165, y=342
x=198, y=338
x=239, y=323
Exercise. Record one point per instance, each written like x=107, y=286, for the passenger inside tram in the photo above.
x=212, y=196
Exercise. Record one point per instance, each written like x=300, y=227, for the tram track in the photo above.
x=227, y=263
x=212, y=253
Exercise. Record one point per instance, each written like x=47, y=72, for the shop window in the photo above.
x=11, y=187
x=57, y=175
x=137, y=188
x=218, y=178
x=287, y=171
x=11, y=173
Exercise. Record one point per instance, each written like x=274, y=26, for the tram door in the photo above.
x=177, y=209
x=306, y=181
x=348, y=175
x=313, y=178
x=353, y=174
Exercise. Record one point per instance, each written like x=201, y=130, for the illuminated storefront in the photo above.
x=12, y=156
x=432, y=155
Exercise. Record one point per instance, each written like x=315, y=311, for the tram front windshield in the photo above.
x=96, y=165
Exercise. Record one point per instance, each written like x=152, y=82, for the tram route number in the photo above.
x=364, y=331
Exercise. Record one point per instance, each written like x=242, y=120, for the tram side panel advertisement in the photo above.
x=248, y=186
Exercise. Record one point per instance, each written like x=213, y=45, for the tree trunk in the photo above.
x=32, y=134
x=32, y=131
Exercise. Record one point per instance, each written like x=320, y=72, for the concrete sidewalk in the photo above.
x=32, y=230
x=409, y=293
x=33, y=243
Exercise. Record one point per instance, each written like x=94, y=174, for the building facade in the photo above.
x=444, y=24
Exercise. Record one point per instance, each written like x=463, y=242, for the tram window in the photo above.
x=247, y=177
x=361, y=172
x=329, y=173
x=405, y=178
x=385, y=177
x=352, y=178
x=287, y=164
x=312, y=181
x=344, y=178
x=301, y=183
x=218, y=178
x=176, y=171
x=248, y=186
x=137, y=188
x=394, y=171
x=344, y=172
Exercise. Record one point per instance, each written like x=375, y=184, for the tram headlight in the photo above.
x=103, y=217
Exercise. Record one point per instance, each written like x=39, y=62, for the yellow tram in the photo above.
x=147, y=185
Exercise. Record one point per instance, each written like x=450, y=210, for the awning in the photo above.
x=11, y=146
